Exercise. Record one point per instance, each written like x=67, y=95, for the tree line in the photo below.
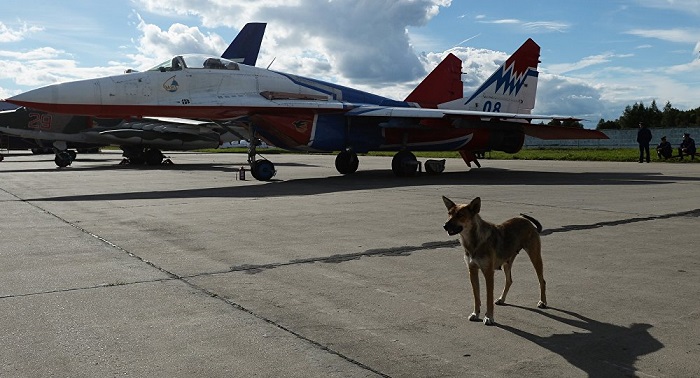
x=652, y=116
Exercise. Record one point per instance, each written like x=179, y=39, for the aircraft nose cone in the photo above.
x=70, y=98
x=45, y=95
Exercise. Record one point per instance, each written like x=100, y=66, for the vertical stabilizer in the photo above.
x=443, y=84
x=511, y=89
x=246, y=46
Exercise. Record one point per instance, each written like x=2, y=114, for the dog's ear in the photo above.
x=448, y=203
x=475, y=205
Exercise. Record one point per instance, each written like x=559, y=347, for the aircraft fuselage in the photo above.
x=289, y=111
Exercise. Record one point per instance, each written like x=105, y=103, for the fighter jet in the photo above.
x=141, y=139
x=295, y=112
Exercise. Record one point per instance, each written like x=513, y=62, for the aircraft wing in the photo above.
x=537, y=131
x=409, y=112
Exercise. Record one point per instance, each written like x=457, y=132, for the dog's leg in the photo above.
x=488, y=276
x=509, y=281
x=535, y=253
x=474, y=278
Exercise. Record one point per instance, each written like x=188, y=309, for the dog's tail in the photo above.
x=534, y=221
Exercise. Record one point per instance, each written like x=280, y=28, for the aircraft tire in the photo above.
x=153, y=156
x=346, y=162
x=262, y=170
x=404, y=164
x=63, y=159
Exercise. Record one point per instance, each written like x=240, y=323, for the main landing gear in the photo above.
x=347, y=162
x=404, y=164
x=64, y=156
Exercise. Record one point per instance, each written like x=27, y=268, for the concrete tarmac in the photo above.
x=184, y=271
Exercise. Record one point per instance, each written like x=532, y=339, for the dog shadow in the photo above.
x=601, y=350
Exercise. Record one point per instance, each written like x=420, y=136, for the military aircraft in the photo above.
x=141, y=139
x=295, y=112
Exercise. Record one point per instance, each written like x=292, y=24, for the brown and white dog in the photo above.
x=488, y=247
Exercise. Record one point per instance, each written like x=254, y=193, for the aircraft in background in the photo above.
x=141, y=139
x=298, y=113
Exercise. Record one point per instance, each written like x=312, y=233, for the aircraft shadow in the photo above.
x=382, y=179
x=601, y=350
x=226, y=168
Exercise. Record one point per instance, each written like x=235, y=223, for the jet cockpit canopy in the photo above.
x=196, y=61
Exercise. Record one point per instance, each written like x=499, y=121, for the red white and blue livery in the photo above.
x=299, y=113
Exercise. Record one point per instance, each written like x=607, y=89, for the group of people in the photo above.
x=664, y=150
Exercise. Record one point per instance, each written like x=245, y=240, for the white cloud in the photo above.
x=584, y=63
x=156, y=45
x=529, y=26
x=8, y=34
x=376, y=53
x=566, y=96
x=546, y=26
x=40, y=53
x=670, y=35
x=692, y=6
x=503, y=21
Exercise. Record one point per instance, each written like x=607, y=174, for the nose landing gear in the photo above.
x=261, y=169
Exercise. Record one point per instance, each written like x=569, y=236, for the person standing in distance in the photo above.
x=643, y=138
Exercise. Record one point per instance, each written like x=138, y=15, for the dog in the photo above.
x=488, y=247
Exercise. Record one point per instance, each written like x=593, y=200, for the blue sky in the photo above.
x=597, y=56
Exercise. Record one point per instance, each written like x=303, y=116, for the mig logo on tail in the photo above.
x=511, y=81
x=507, y=81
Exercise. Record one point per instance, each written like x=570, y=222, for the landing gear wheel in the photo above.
x=262, y=170
x=133, y=155
x=404, y=164
x=346, y=162
x=153, y=156
x=137, y=160
x=63, y=159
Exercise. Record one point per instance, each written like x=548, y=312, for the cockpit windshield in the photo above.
x=195, y=61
